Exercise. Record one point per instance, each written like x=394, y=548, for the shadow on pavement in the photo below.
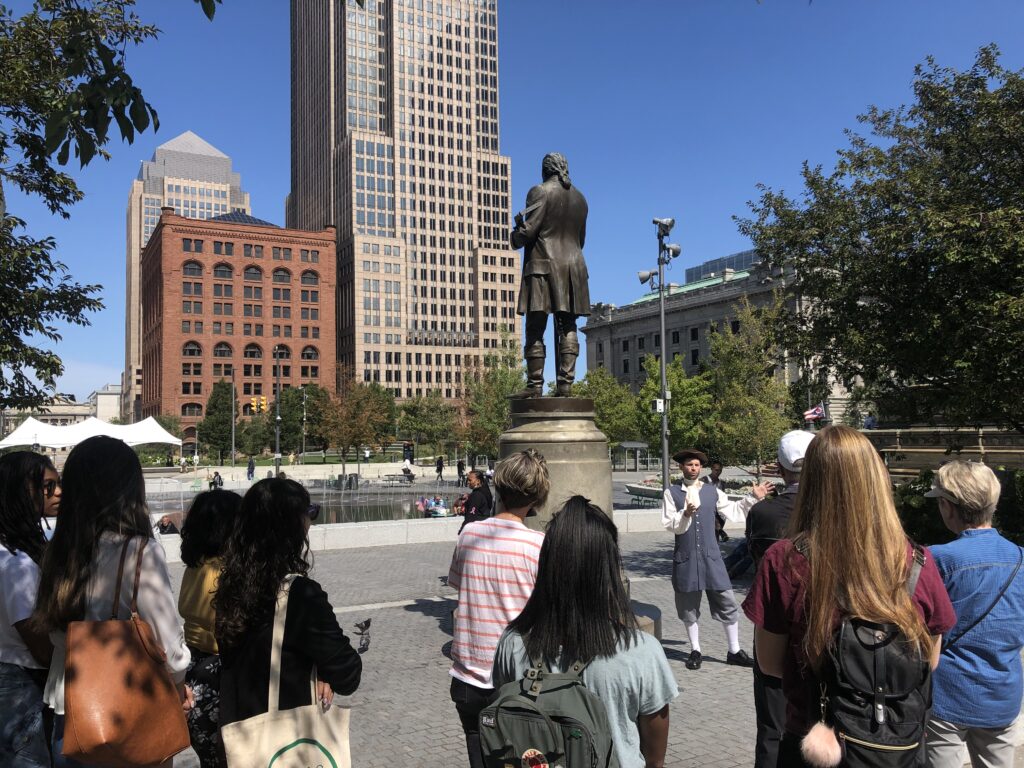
x=436, y=609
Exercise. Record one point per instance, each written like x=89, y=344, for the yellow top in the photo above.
x=195, y=604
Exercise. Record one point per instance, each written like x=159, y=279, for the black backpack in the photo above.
x=876, y=688
x=547, y=719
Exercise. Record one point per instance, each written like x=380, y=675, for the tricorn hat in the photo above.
x=690, y=453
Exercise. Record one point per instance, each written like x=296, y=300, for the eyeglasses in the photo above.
x=313, y=512
x=50, y=487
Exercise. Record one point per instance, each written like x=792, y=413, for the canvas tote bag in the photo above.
x=305, y=736
x=121, y=707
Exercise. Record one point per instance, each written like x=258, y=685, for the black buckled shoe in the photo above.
x=739, y=659
x=694, y=661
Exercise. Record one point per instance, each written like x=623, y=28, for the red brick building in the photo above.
x=218, y=297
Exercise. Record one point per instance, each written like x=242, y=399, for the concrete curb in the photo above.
x=335, y=536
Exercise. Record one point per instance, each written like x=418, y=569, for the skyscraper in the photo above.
x=195, y=179
x=395, y=141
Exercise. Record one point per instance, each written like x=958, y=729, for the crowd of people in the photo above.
x=837, y=581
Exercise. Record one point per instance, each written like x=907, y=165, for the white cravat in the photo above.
x=692, y=488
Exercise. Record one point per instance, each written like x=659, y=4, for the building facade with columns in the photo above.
x=231, y=299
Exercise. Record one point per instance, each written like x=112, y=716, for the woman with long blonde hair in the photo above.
x=846, y=555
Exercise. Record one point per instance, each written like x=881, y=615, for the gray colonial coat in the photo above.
x=555, y=277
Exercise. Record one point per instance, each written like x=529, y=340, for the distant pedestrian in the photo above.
x=440, y=467
x=291, y=458
x=714, y=478
x=216, y=481
x=182, y=462
x=250, y=470
x=493, y=569
x=461, y=469
x=479, y=504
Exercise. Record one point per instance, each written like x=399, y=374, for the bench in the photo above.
x=396, y=479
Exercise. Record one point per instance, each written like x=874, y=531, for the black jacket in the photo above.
x=478, y=505
x=767, y=521
x=311, y=637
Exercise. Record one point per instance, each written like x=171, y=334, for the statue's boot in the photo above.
x=568, y=351
x=535, y=355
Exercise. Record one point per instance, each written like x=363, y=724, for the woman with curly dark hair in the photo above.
x=25, y=490
x=209, y=521
x=268, y=542
x=104, y=504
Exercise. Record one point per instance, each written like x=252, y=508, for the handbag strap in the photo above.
x=117, y=584
x=138, y=575
x=277, y=642
x=1020, y=558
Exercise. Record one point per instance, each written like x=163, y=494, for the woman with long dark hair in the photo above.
x=579, y=612
x=24, y=651
x=103, y=503
x=207, y=525
x=859, y=558
x=268, y=542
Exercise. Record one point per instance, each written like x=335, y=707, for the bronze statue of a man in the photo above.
x=552, y=228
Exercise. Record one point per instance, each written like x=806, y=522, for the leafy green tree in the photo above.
x=486, y=406
x=688, y=407
x=318, y=401
x=215, y=428
x=361, y=414
x=428, y=419
x=905, y=260
x=64, y=81
x=291, y=417
x=254, y=435
x=751, y=408
x=615, y=406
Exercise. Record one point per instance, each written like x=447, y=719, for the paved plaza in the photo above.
x=402, y=714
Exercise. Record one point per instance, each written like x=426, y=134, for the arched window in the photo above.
x=192, y=409
x=191, y=349
x=282, y=352
x=253, y=352
x=192, y=269
x=223, y=349
x=247, y=410
x=310, y=353
x=253, y=273
x=223, y=271
x=309, y=277
x=282, y=276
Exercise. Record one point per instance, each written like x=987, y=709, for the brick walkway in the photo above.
x=402, y=713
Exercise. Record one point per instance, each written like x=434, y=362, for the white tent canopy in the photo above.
x=34, y=432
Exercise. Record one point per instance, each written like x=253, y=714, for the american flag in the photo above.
x=815, y=413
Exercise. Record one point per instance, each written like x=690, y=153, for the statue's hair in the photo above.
x=555, y=164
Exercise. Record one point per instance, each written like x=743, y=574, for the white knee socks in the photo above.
x=694, y=632
x=732, y=635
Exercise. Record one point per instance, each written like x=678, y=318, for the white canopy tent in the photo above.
x=34, y=432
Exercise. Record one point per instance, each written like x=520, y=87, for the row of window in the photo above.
x=251, y=351
x=694, y=359
x=249, y=250
x=252, y=273
x=249, y=329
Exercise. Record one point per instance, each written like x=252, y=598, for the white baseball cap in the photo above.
x=792, y=447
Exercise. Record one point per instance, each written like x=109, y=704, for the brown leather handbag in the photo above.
x=121, y=708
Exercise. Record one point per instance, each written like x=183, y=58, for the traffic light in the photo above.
x=263, y=403
x=254, y=403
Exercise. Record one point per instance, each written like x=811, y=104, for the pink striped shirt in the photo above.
x=494, y=569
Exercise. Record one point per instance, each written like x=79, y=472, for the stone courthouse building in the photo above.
x=226, y=298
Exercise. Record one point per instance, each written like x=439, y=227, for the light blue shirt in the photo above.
x=635, y=681
x=978, y=683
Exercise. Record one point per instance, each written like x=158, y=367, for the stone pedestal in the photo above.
x=576, y=451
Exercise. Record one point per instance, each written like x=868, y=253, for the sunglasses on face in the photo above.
x=50, y=487
x=313, y=512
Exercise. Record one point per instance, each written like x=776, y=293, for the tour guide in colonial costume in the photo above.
x=689, y=512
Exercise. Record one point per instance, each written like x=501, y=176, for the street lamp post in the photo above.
x=666, y=252
x=277, y=407
x=233, y=399
x=303, y=424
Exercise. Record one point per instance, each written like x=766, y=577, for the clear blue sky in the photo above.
x=663, y=107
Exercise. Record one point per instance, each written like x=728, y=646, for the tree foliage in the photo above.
x=291, y=417
x=428, y=419
x=360, y=414
x=64, y=83
x=907, y=257
x=615, y=406
x=689, y=405
x=215, y=428
x=751, y=408
x=488, y=389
